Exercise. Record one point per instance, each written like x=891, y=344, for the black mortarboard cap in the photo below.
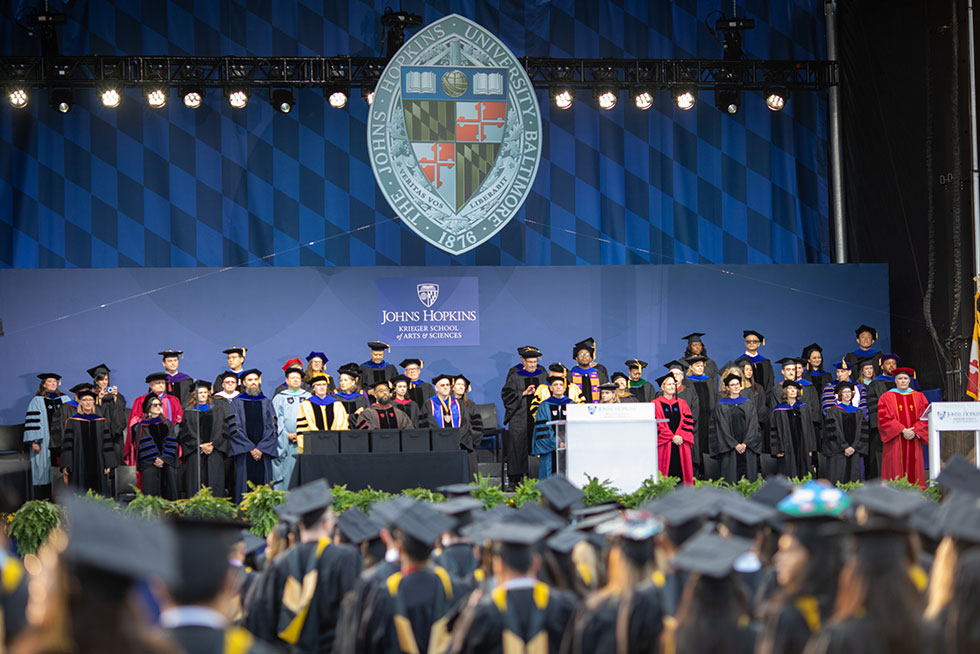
x=234, y=350
x=350, y=369
x=378, y=346
x=536, y=514
x=586, y=511
x=253, y=543
x=226, y=374
x=155, y=377
x=773, y=491
x=439, y=378
x=422, y=522
x=250, y=371
x=203, y=550
x=285, y=515
x=202, y=383
x=959, y=475
x=926, y=521
x=693, y=337
x=529, y=352
x=791, y=382
x=752, y=514
x=841, y=385
x=619, y=374
x=587, y=344
x=786, y=361
x=357, y=527
x=608, y=386
x=559, y=492
x=695, y=359
x=399, y=378
x=381, y=382
x=411, y=362
x=108, y=540
x=386, y=510
x=519, y=533
x=456, y=490
x=751, y=332
x=78, y=388
x=959, y=515
x=675, y=364
x=887, y=501
x=565, y=540
x=86, y=392
x=593, y=521
x=309, y=498
x=458, y=506
x=866, y=328
x=711, y=555
x=810, y=349
x=98, y=370
x=660, y=380
x=49, y=375
x=636, y=363
x=171, y=353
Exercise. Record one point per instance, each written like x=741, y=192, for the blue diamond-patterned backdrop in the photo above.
x=133, y=186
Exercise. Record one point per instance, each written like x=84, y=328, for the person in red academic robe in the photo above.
x=902, y=429
x=676, y=436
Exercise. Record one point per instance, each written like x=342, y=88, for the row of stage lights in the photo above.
x=283, y=100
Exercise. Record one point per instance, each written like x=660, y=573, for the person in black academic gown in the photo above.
x=87, y=453
x=179, y=384
x=253, y=434
x=518, y=392
x=813, y=367
x=866, y=337
x=880, y=385
x=696, y=348
x=111, y=405
x=762, y=368
x=383, y=414
x=627, y=615
x=845, y=437
x=793, y=440
x=705, y=387
x=350, y=394
x=639, y=387
x=733, y=437
x=203, y=441
x=376, y=368
x=157, y=447
x=204, y=591
x=277, y=610
x=418, y=391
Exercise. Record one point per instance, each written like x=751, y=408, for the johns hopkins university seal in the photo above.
x=455, y=134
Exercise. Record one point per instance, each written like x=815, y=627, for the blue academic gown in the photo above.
x=37, y=430
x=286, y=404
x=241, y=445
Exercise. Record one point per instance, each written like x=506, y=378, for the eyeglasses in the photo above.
x=153, y=404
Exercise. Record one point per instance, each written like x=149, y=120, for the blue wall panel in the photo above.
x=218, y=187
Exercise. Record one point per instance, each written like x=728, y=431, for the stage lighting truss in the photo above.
x=61, y=100
x=728, y=97
x=238, y=77
x=110, y=95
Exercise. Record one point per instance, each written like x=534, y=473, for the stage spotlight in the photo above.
x=563, y=96
x=192, y=96
x=282, y=100
x=156, y=96
x=110, y=96
x=643, y=97
x=62, y=100
x=728, y=100
x=776, y=98
x=238, y=98
x=367, y=92
x=606, y=96
x=685, y=97
x=18, y=97
x=337, y=96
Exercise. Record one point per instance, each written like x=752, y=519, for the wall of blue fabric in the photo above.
x=219, y=187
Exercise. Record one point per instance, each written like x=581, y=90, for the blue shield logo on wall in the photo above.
x=428, y=294
x=454, y=134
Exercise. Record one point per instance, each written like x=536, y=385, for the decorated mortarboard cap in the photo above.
x=319, y=377
x=529, y=352
x=226, y=374
x=439, y=378
x=960, y=476
x=411, y=362
x=235, y=350
x=565, y=540
x=711, y=555
x=589, y=524
x=253, y=543
x=155, y=377
x=904, y=371
x=399, y=378
x=456, y=490
x=693, y=337
x=98, y=370
x=587, y=344
x=695, y=359
x=378, y=346
x=773, y=491
x=350, y=369
x=865, y=328
x=78, y=388
x=752, y=332
x=49, y=375
x=317, y=355
x=815, y=499
x=356, y=527
x=113, y=542
x=635, y=363
x=619, y=375
x=558, y=492
x=887, y=356
x=86, y=392
x=293, y=364
x=423, y=523
x=202, y=383
x=309, y=498
x=675, y=365
x=586, y=511
x=843, y=365
x=171, y=353
x=608, y=386
x=636, y=525
x=386, y=510
x=251, y=371
x=842, y=385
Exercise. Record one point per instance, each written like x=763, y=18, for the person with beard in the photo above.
x=236, y=361
x=320, y=411
x=204, y=447
x=179, y=385
x=287, y=404
x=382, y=414
x=518, y=392
x=876, y=389
x=171, y=411
x=675, y=435
x=42, y=429
x=418, y=390
x=733, y=436
x=696, y=348
x=87, y=453
x=253, y=434
x=155, y=449
x=550, y=409
x=586, y=375
x=639, y=387
x=376, y=368
x=401, y=399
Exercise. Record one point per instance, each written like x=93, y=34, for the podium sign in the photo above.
x=954, y=428
x=617, y=442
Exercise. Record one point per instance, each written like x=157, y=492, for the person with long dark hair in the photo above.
x=204, y=445
x=156, y=449
x=813, y=371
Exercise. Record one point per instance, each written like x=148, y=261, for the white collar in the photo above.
x=192, y=616
x=520, y=582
